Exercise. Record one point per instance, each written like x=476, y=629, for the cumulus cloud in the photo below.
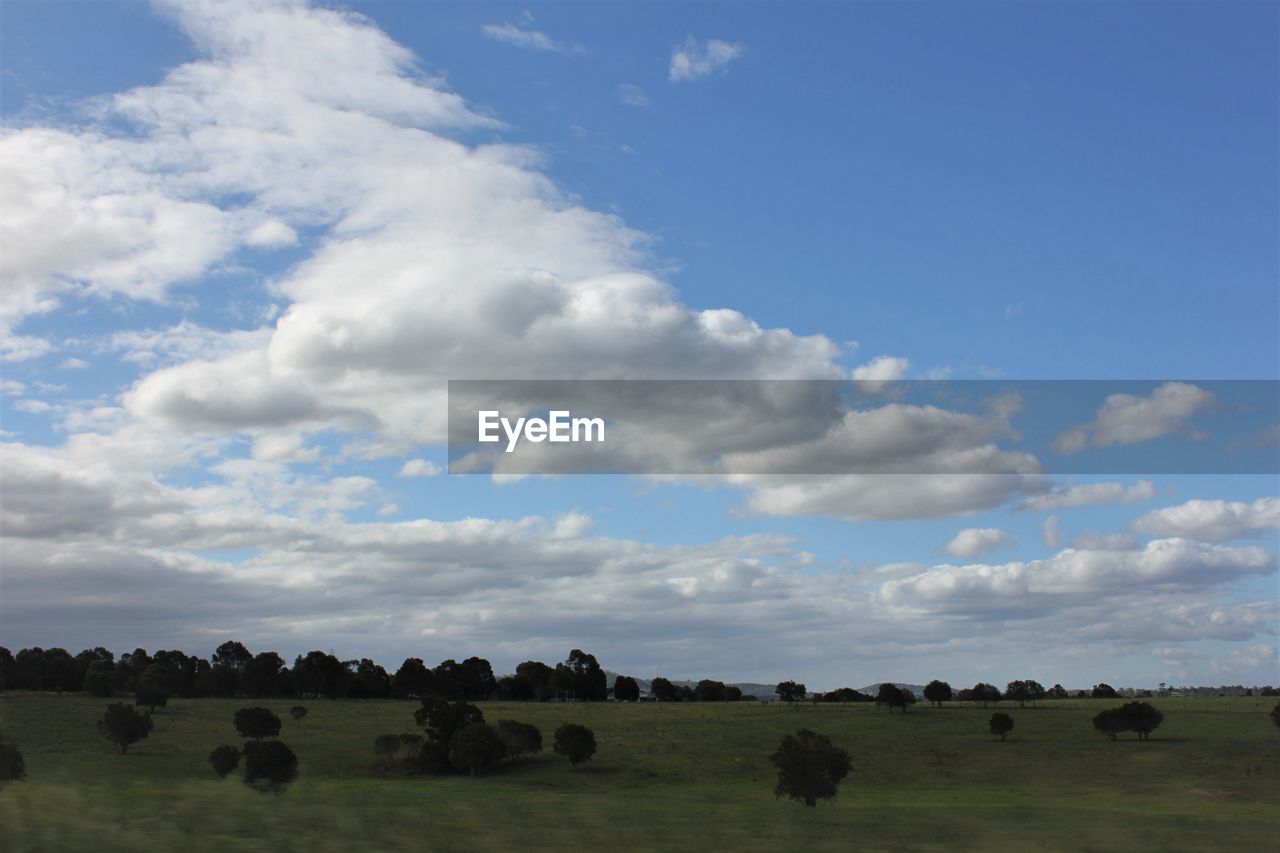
x=870, y=378
x=419, y=468
x=972, y=541
x=1129, y=419
x=1213, y=520
x=1090, y=494
x=1051, y=532
x=694, y=60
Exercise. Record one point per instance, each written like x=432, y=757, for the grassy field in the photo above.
x=666, y=776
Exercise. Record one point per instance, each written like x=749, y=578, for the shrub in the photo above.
x=1001, y=724
x=475, y=748
x=575, y=742
x=224, y=759
x=12, y=766
x=297, y=712
x=519, y=738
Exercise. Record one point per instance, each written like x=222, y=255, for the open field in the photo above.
x=666, y=776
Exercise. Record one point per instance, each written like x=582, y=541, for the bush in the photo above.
x=224, y=759
x=269, y=765
x=297, y=712
x=519, y=738
x=398, y=751
x=1001, y=724
x=442, y=719
x=257, y=723
x=475, y=748
x=1275, y=715
x=575, y=742
x=810, y=767
x=124, y=726
x=12, y=766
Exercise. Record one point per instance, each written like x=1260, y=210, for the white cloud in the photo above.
x=272, y=234
x=972, y=541
x=1090, y=494
x=632, y=95
x=518, y=36
x=1128, y=419
x=1213, y=521
x=418, y=468
x=870, y=378
x=693, y=60
x=1051, y=532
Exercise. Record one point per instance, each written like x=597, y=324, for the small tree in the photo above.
x=257, y=723
x=1141, y=717
x=790, y=691
x=985, y=693
x=297, y=712
x=810, y=767
x=269, y=765
x=475, y=748
x=1110, y=722
x=1001, y=724
x=1275, y=715
x=224, y=759
x=519, y=738
x=895, y=697
x=575, y=742
x=124, y=726
x=441, y=718
x=1103, y=691
x=625, y=689
x=937, y=692
x=150, y=698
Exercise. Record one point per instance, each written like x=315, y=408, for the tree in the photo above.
x=257, y=723
x=575, y=742
x=588, y=681
x=709, y=691
x=1110, y=722
x=99, y=679
x=442, y=718
x=1104, y=691
x=150, y=698
x=269, y=765
x=475, y=748
x=1001, y=724
x=224, y=759
x=124, y=726
x=535, y=678
x=810, y=767
x=298, y=712
x=261, y=675
x=412, y=680
x=1023, y=692
x=790, y=691
x=663, y=690
x=625, y=689
x=519, y=738
x=985, y=693
x=1141, y=717
x=1275, y=715
x=895, y=697
x=937, y=692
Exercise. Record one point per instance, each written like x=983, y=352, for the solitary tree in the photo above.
x=257, y=723
x=663, y=690
x=124, y=726
x=12, y=766
x=1275, y=715
x=575, y=742
x=937, y=692
x=1103, y=691
x=625, y=689
x=298, y=712
x=1110, y=722
x=269, y=765
x=475, y=748
x=810, y=767
x=790, y=691
x=1141, y=717
x=150, y=697
x=224, y=759
x=519, y=738
x=1001, y=724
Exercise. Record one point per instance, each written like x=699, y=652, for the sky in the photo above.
x=246, y=244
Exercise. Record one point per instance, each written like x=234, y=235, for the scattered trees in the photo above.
x=124, y=726
x=810, y=767
x=937, y=692
x=269, y=765
x=257, y=723
x=1023, y=692
x=790, y=691
x=1139, y=717
x=575, y=742
x=224, y=759
x=1000, y=724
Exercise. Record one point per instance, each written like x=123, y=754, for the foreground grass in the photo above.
x=666, y=776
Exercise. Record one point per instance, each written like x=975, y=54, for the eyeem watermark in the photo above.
x=559, y=426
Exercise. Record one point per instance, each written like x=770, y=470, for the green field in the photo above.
x=666, y=777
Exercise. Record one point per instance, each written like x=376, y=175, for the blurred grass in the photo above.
x=666, y=776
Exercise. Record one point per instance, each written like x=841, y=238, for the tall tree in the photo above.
x=810, y=767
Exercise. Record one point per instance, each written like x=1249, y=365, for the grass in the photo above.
x=666, y=776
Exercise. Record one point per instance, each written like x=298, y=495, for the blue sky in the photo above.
x=257, y=239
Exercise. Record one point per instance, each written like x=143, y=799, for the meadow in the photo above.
x=665, y=777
